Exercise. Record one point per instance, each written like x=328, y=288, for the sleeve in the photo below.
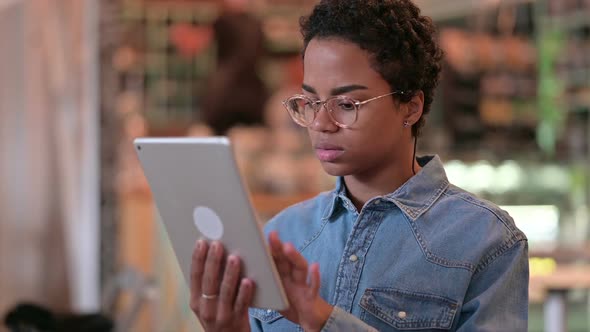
x=497, y=298
x=340, y=320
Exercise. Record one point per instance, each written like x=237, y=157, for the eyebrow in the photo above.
x=337, y=91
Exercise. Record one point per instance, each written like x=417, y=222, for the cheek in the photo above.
x=385, y=115
x=382, y=127
x=309, y=134
x=379, y=137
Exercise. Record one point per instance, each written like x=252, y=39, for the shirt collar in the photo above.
x=414, y=197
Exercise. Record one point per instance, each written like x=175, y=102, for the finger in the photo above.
x=210, y=283
x=281, y=261
x=245, y=297
x=298, y=263
x=276, y=246
x=314, y=280
x=229, y=288
x=196, y=275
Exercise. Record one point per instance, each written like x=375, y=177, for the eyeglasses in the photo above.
x=343, y=110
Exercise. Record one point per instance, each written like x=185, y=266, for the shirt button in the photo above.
x=268, y=311
x=402, y=314
x=353, y=258
x=377, y=201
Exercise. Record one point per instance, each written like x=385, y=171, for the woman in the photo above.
x=394, y=246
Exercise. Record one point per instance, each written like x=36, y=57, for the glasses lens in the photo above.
x=343, y=110
x=301, y=109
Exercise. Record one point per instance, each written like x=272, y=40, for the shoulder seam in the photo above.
x=313, y=237
x=501, y=250
x=515, y=236
x=297, y=205
x=323, y=221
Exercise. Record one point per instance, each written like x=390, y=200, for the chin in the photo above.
x=336, y=169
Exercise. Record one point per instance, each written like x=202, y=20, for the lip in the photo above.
x=328, y=152
x=327, y=146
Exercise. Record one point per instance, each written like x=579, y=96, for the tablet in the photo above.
x=199, y=193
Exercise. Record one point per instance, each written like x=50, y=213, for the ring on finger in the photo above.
x=209, y=297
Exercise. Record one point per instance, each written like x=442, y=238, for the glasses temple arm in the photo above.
x=398, y=92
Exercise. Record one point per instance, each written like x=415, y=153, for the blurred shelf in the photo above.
x=564, y=254
x=564, y=278
x=572, y=21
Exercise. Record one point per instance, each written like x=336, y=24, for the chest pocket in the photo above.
x=273, y=320
x=265, y=315
x=405, y=310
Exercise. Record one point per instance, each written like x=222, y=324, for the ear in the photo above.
x=414, y=108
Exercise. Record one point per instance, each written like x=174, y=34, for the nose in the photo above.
x=323, y=121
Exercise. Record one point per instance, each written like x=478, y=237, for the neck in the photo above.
x=372, y=183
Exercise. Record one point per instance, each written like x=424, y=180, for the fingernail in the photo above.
x=234, y=260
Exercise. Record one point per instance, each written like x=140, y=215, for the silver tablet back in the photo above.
x=199, y=193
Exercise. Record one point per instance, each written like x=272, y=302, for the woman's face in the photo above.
x=378, y=138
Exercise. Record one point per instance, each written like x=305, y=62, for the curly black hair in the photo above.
x=401, y=42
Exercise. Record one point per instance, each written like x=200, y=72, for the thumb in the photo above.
x=314, y=280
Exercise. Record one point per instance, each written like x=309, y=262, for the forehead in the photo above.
x=334, y=62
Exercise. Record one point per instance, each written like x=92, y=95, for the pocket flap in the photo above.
x=265, y=315
x=409, y=310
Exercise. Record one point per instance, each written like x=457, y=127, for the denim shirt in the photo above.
x=428, y=256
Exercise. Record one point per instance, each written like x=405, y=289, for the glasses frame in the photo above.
x=317, y=105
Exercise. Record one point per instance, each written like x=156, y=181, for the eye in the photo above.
x=313, y=103
x=346, y=105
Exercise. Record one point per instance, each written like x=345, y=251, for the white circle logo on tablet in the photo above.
x=208, y=222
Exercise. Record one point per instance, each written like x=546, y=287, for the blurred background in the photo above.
x=80, y=239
